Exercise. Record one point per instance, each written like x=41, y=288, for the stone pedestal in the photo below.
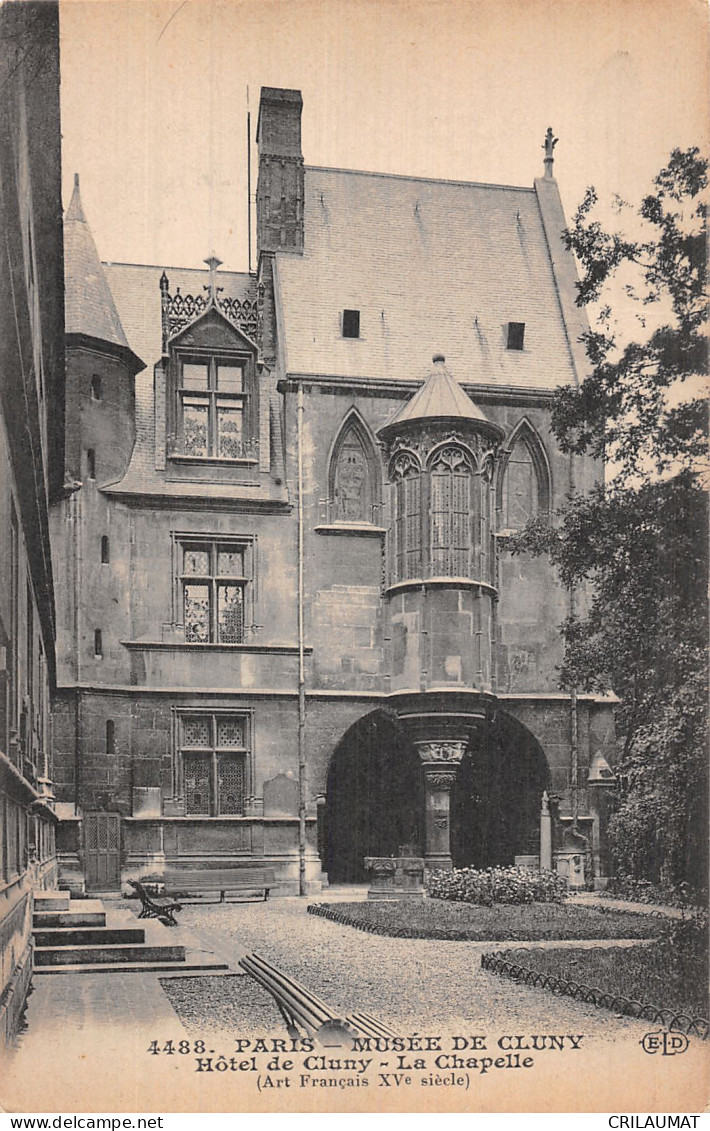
x=440, y=762
x=570, y=858
x=395, y=877
x=546, y=834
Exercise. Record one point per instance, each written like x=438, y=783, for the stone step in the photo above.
x=190, y=965
x=86, y=936
x=70, y=918
x=52, y=900
x=109, y=953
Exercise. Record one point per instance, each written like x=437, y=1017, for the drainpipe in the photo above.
x=574, y=716
x=301, y=664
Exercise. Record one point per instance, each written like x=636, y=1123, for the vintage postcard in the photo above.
x=352, y=632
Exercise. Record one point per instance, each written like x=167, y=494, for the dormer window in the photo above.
x=213, y=407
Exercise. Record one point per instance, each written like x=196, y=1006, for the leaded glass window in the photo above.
x=213, y=749
x=450, y=513
x=407, y=491
x=213, y=582
x=212, y=408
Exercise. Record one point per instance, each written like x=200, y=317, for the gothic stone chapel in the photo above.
x=290, y=631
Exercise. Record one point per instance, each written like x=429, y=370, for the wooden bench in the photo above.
x=156, y=906
x=222, y=880
x=305, y=1014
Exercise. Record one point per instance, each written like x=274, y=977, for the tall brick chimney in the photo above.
x=279, y=190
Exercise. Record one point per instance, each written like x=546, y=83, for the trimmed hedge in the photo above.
x=496, y=885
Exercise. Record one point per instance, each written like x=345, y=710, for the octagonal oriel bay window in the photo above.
x=441, y=453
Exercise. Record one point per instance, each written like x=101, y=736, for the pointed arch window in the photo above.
x=353, y=481
x=525, y=488
x=450, y=511
x=406, y=478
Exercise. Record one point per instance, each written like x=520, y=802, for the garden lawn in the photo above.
x=439, y=919
x=660, y=974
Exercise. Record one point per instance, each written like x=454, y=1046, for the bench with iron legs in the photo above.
x=156, y=906
x=196, y=881
x=305, y=1014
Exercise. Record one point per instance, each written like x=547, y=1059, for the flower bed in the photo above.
x=436, y=919
x=496, y=885
x=664, y=982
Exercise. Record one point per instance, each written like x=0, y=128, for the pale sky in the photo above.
x=154, y=101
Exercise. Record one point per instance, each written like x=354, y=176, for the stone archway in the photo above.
x=374, y=798
x=495, y=800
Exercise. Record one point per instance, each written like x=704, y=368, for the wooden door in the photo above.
x=102, y=851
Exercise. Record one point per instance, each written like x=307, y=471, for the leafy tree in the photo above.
x=640, y=539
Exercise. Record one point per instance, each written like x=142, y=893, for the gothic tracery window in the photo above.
x=525, y=485
x=407, y=517
x=450, y=512
x=352, y=478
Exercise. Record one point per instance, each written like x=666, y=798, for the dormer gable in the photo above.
x=212, y=330
x=213, y=388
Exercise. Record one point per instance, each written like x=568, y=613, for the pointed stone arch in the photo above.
x=354, y=481
x=524, y=487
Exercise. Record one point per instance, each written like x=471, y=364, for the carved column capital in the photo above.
x=439, y=778
x=447, y=751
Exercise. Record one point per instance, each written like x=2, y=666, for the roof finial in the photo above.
x=213, y=263
x=76, y=180
x=549, y=146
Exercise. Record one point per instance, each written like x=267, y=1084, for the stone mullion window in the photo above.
x=213, y=407
x=213, y=763
x=213, y=584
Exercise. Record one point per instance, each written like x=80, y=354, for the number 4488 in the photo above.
x=184, y=1048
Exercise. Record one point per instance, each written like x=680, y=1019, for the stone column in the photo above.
x=440, y=762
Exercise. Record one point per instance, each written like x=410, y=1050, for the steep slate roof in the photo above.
x=429, y=265
x=89, y=305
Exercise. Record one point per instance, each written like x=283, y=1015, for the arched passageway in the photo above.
x=374, y=799
x=375, y=796
x=495, y=802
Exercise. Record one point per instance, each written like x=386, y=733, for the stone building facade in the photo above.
x=31, y=473
x=291, y=630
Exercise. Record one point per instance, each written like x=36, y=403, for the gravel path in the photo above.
x=411, y=984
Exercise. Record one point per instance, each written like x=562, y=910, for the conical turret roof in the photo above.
x=89, y=306
x=440, y=398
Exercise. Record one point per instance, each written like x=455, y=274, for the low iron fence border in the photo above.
x=501, y=963
x=328, y=911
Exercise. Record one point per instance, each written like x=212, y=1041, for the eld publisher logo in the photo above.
x=668, y=1044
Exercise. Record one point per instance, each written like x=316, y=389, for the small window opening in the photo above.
x=91, y=463
x=516, y=335
x=110, y=736
x=351, y=323
x=98, y=643
x=104, y=549
x=96, y=391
